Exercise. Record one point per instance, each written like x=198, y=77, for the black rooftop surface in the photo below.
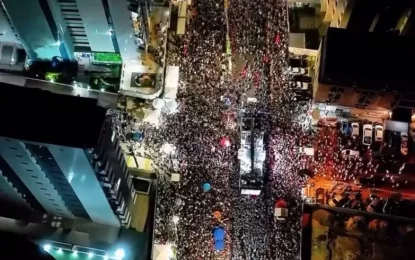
x=41, y=116
x=363, y=14
x=372, y=61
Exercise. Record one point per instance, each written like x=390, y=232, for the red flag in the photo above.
x=277, y=39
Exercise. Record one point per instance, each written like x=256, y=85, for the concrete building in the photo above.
x=60, y=156
x=309, y=20
x=369, y=15
x=63, y=174
x=363, y=75
x=47, y=28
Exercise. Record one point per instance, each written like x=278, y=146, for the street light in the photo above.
x=119, y=254
x=47, y=247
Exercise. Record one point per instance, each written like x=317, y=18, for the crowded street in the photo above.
x=234, y=60
x=210, y=91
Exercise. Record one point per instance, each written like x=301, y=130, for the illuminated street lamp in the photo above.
x=47, y=247
x=119, y=254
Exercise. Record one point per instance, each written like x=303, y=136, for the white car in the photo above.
x=297, y=71
x=300, y=85
x=355, y=129
x=404, y=143
x=305, y=150
x=367, y=134
x=378, y=133
x=350, y=153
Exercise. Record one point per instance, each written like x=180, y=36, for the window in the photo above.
x=113, y=136
x=121, y=208
x=117, y=185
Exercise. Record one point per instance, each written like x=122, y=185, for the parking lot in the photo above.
x=360, y=165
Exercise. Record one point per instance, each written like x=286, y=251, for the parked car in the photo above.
x=404, y=143
x=298, y=85
x=367, y=134
x=302, y=97
x=350, y=153
x=378, y=133
x=297, y=71
x=394, y=141
x=355, y=129
x=302, y=78
x=344, y=126
x=373, y=206
x=390, y=206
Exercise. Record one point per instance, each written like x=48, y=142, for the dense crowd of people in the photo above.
x=259, y=39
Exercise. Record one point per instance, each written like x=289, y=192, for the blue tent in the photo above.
x=219, y=245
x=138, y=136
x=218, y=233
x=206, y=186
x=228, y=101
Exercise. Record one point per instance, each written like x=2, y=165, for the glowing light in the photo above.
x=90, y=255
x=176, y=219
x=75, y=253
x=119, y=254
x=47, y=247
x=105, y=257
x=102, y=89
x=60, y=251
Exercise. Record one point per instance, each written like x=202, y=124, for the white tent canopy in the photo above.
x=162, y=252
x=158, y=103
x=171, y=105
x=172, y=82
x=152, y=116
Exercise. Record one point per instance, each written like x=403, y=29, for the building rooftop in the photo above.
x=41, y=116
x=372, y=61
